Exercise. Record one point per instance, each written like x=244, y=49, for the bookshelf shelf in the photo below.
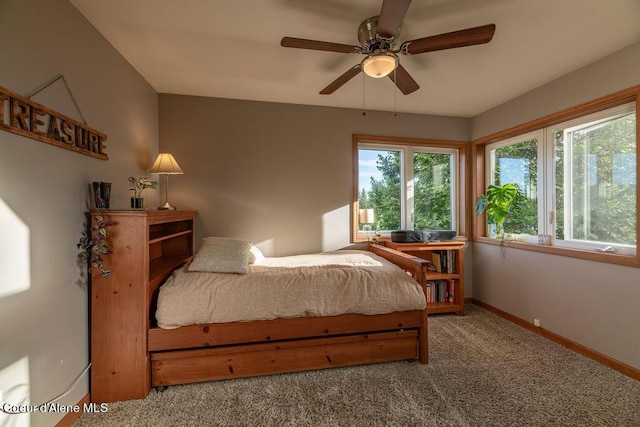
x=446, y=284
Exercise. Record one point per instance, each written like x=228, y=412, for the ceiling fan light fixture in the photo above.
x=379, y=65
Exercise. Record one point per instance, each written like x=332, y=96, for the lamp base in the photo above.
x=167, y=207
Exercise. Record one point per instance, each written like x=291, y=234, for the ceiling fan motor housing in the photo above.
x=369, y=39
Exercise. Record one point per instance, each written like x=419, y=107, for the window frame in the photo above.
x=480, y=152
x=572, y=125
x=537, y=134
x=415, y=145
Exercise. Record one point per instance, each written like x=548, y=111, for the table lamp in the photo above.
x=166, y=165
x=366, y=218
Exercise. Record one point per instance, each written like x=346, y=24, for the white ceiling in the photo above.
x=231, y=49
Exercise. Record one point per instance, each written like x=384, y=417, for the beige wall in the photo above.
x=44, y=328
x=613, y=73
x=594, y=304
x=277, y=174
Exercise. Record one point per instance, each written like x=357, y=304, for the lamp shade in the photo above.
x=166, y=164
x=379, y=65
x=366, y=216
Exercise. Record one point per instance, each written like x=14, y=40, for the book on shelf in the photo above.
x=444, y=260
x=451, y=295
x=435, y=258
x=441, y=291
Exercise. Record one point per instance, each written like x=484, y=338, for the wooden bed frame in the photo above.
x=241, y=349
x=130, y=354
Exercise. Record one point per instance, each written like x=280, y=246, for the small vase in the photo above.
x=101, y=194
x=137, y=203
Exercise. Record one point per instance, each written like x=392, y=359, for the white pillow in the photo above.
x=255, y=255
x=222, y=255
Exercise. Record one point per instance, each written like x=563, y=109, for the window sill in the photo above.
x=610, y=258
x=460, y=238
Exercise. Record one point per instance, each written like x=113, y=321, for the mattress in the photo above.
x=324, y=284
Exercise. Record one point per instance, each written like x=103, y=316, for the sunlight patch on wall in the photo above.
x=266, y=247
x=334, y=223
x=15, y=390
x=15, y=274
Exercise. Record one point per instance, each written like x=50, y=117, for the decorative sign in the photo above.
x=25, y=117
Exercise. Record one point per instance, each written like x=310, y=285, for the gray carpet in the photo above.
x=483, y=371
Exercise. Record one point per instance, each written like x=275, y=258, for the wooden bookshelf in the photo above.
x=146, y=247
x=446, y=285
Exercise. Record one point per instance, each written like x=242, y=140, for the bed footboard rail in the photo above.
x=416, y=267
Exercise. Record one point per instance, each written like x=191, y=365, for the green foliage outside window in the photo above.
x=432, y=192
x=595, y=198
x=524, y=212
x=595, y=182
x=601, y=182
x=384, y=196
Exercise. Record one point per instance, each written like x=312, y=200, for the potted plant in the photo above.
x=137, y=185
x=93, y=245
x=498, y=203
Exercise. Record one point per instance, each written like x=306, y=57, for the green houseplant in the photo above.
x=137, y=185
x=497, y=203
x=93, y=246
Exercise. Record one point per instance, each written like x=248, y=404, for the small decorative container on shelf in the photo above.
x=137, y=203
x=101, y=194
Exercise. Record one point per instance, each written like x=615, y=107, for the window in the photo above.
x=434, y=189
x=405, y=184
x=595, y=180
x=577, y=182
x=380, y=189
x=516, y=161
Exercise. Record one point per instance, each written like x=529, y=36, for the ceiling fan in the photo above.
x=378, y=38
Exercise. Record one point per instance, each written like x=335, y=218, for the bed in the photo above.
x=215, y=325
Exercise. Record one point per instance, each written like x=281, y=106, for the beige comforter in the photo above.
x=325, y=284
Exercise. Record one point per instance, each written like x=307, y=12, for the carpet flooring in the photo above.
x=483, y=371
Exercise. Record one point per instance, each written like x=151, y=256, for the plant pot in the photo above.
x=137, y=203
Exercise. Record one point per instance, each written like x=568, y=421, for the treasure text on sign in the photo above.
x=24, y=117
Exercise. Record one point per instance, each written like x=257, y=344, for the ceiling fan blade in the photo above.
x=340, y=81
x=391, y=16
x=468, y=37
x=403, y=80
x=318, y=45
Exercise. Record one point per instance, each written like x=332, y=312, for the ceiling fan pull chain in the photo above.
x=364, y=109
x=395, y=94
